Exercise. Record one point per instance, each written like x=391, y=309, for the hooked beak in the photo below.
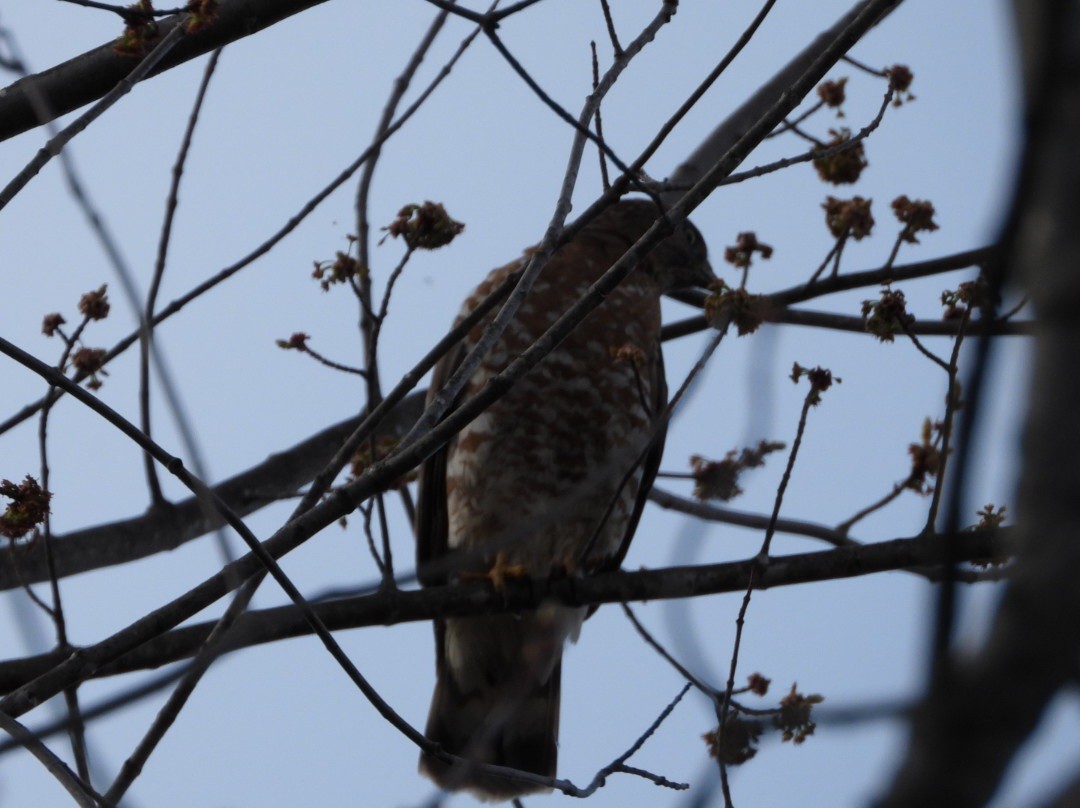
x=705, y=276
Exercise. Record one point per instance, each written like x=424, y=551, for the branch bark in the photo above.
x=464, y=599
x=43, y=97
x=165, y=528
x=285, y=472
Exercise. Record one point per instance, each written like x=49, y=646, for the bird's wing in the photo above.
x=431, y=519
x=650, y=463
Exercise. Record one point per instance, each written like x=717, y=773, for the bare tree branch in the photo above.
x=814, y=60
x=757, y=521
x=945, y=724
x=928, y=328
x=146, y=331
x=281, y=475
x=56, y=143
x=103, y=707
x=198, y=291
x=475, y=598
x=88, y=77
x=856, y=280
x=79, y=790
x=17, y=703
x=285, y=472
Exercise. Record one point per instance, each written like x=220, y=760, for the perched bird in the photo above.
x=557, y=468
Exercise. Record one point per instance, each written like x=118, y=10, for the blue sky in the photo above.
x=291, y=107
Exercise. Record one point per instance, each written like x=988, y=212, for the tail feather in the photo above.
x=511, y=723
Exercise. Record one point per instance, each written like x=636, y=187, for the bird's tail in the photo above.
x=509, y=724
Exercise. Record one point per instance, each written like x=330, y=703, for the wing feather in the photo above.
x=431, y=518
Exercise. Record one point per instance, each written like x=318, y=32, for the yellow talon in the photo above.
x=500, y=572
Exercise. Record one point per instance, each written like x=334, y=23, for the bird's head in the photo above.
x=680, y=261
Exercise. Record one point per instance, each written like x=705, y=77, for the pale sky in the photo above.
x=286, y=111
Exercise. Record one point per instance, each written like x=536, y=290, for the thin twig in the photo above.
x=699, y=91
x=834, y=251
x=761, y=562
x=384, y=305
x=264, y=248
x=213, y=648
x=794, y=122
x=76, y=726
x=369, y=322
x=850, y=522
x=442, y=399
x=937, y=360
x=712, y=513
x=127, y=12
x=56, y=144
x=894, y=251
x=15, y=704
x=387, y=552
x=581, y=127
x=616, y=48
x=863, y=66
x=605, y=181
x=952, y=403
x=511, y=9
x=83, y=794
x=372, y=607
x=708, y=690
x=145, y=329
x=481, y=20
x=619, y=764
x=365, y=510
x=307, y=350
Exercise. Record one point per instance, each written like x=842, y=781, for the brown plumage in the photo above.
x=529, y=482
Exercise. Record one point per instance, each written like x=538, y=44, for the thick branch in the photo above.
x=284, y=473
x=88, y=77
x=169, y=529
x=166, y=528
x=867, y=277
x=929, y=328
x=775, y=305
x=463, y=599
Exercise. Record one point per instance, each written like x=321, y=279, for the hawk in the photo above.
x=551, y=479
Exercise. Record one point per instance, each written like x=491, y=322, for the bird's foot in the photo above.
x=500, y=572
